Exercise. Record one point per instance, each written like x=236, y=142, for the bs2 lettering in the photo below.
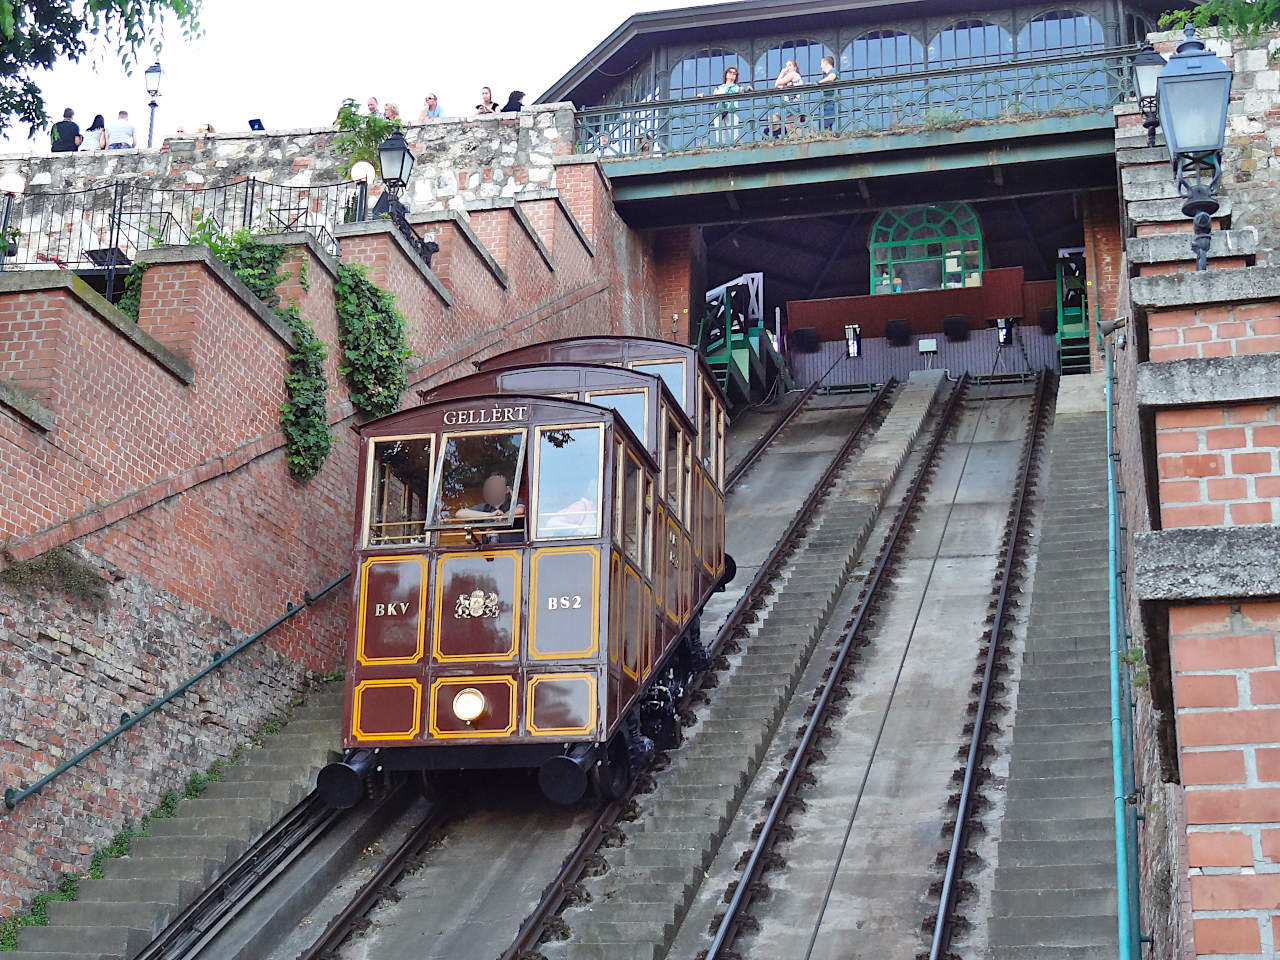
x=564, y=603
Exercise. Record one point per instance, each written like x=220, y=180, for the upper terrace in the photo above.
x=991, y=98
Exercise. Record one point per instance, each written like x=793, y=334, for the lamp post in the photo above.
x=1194, y=91
x=152, y=75
x=395, y=163
x=11, y=185
x=1146, y=73
x=363, y=173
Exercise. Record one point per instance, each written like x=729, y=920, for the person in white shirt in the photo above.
x=120, y=133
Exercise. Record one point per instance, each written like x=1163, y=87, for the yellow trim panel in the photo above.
x=586, y=728
x=395, y=735
x=422, y=619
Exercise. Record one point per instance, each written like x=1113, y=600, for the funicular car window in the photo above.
x=671, y=465
x=631, y=508
x=478, y=476
x=707, y=435
x=567, y=484
x=630, y=403
x=399, y=487
x=670, y=371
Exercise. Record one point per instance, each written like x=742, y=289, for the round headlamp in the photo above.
x=468, y=704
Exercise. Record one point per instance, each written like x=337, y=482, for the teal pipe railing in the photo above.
x=13, y=797
x=1128, y=937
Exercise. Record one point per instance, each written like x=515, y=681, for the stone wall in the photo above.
x=458, y=160
x=152, y=450
x=1198, y=443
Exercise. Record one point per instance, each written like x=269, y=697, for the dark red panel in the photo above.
x=477, y=607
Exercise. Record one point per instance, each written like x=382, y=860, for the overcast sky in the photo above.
x=292, y=63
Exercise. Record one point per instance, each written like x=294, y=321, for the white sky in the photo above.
x=292, y=63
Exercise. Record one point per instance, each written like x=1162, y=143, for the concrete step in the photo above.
x=1039, y=686
x=114, y=940
x=1098, y=874
x=283, y=791
x=1032, y=715
x=1053, y=767
x=1051, y=808
x=1066, y=752
x=1074, y=788
x=247, y=828
x=253, y=808
x=209, y=846
x=1068, y=902
x=1046, y=854
x=1085, y=828
x=199, y=869
x=143, y=914
x=1097, y=952
x=1056, y=733
x=146, y=889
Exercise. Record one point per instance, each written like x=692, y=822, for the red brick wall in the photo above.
x=676, y=255
x=1227, y=695
x=1216, y=331
x=1218, y=465
x=1104, y=253
x=180, y=496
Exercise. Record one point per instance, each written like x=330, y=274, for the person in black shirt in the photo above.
x=65, y=134
x=514, y=102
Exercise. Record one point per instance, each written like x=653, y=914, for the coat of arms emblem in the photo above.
x=476, y=604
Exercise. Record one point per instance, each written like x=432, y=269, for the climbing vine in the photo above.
x=371, y=331
x=304, y=417
x=131, y=300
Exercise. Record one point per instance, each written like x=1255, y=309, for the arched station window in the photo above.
x=926, y=248
x=701, y=72
x=976, y=92
x=1138, y=27
x=807, y=54
x=1060, y=31
x=970, y=42
x=881, y=53
x=1064, y=86
x=893, y=56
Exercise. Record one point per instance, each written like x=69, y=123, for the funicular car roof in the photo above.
x=608, y=377
x=511, y=358
x=419, y=419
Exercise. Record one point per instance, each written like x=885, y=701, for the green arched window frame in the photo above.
x=926, y=248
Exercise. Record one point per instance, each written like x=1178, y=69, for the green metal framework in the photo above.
x=926, y=248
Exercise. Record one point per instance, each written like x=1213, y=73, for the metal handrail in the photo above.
x=12, y=796
x=1128, y=915
x=860, y=105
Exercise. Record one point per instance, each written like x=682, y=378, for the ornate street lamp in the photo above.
x=1146, y=72
x=152, y=75
x=11, y=185
x=1194, y=91
x=395, y=161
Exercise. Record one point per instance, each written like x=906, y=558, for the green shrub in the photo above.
x=372, y=335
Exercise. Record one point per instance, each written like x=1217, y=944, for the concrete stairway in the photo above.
x=638, y=904
x=115, y=917
x=1055, y=888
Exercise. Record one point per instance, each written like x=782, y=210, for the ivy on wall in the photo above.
x=304, y=417
x=372, y=333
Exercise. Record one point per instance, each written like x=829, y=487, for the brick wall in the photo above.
x=165, y=470
x=1198, y=441
x=1217, y=465
x=1103, y=252
x=1227, y=691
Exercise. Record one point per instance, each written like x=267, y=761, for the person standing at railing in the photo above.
x=97, y=133
x=486, y=104
x=65, y=134
x=829, y=75
x=120, y=133
x=431, y=110
x=788, y=77
x=726, y=118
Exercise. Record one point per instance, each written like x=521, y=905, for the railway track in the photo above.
x=288, y=843
x=534, y=930
x=796, y=912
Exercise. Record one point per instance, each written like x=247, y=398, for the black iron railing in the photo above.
x=106, y=228
x=928, y=99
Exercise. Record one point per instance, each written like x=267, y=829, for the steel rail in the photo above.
x=527, y=937
x=771, y=434
x=762, y=579
x=944, y=921
x=730, y=923
x=219, y=902
x=391, y=870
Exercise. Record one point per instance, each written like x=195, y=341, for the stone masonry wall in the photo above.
x=1198, y=441
x=153, y=452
